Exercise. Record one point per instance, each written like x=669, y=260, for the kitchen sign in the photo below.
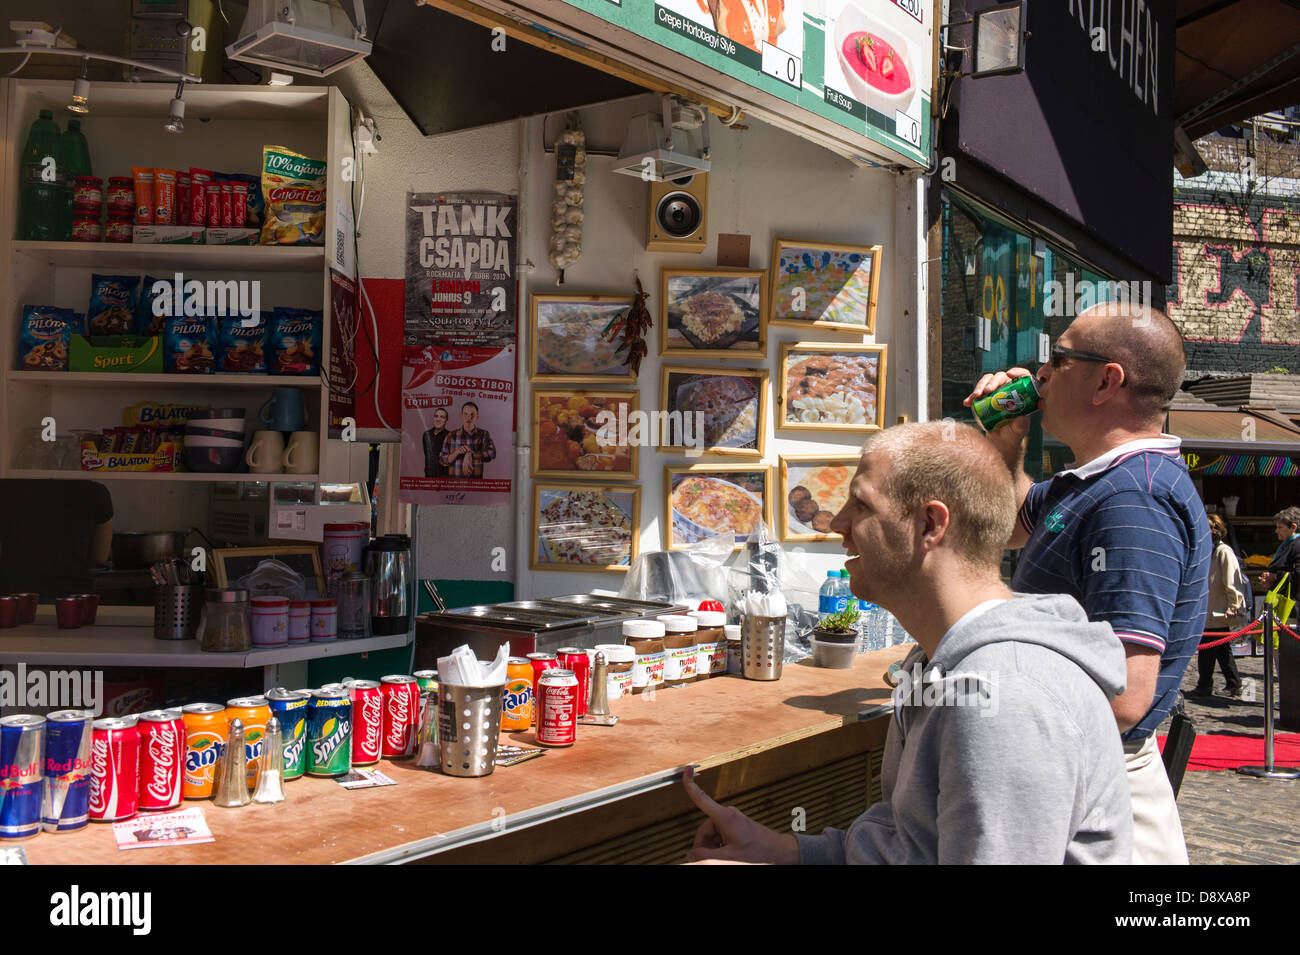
x=865, y=65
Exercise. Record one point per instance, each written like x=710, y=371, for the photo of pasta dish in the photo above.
x=585, y=527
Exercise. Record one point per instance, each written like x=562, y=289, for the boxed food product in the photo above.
x=164, y=197
x=161, y=415
x=112, y=304
x=254, y=211
x=231, y=236
x=44, y=337
x=295, y=341
x=168, y=235
x=143, y=181
x=293, y=188
x=199, y=179
x=116, y=353
x=189, y=345
x=242, y=346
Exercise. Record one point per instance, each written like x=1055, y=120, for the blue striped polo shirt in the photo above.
x=1126, y=536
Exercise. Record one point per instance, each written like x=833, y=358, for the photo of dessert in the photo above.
x=726, y=409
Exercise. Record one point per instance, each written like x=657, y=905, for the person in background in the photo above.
x=1122, y=530
x=432, y=441
x=469, y=447
x=1286, y=559
x=51, y=534
x=1227, y=607
x=1002, y=746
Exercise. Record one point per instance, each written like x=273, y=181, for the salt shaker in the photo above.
x=270, y=779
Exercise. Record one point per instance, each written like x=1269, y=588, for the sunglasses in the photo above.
x=1060, y=353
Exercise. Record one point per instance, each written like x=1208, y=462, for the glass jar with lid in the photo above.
x=224, y=627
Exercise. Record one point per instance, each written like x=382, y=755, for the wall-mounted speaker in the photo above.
x=677, y=215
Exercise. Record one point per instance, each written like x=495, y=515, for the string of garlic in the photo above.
x=566, y=204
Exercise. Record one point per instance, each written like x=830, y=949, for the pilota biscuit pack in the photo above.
x=189, y=345
x=112, y=304
x=295, y=341
x=293, y=189
x=242, y=346
x=146, y=322
x=44, y=337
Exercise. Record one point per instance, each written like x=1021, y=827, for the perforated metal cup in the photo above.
x=762, y=647
x=469, y=722
x=176, y=611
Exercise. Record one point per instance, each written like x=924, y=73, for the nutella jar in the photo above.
x=646, y=638
x=679, y=647
x=710, y=644
x=733, y=647
x=619, y=660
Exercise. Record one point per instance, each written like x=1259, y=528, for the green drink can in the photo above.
x=1015, y=399
x=290, y=707
x=426, y=680
x=329, y=732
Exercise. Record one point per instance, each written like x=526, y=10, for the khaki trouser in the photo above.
x=1157, y=830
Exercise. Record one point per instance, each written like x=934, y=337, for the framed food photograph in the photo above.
x=714, y=410
x=589, y=435
x=703, y=501
x=567, y=338
x=812, y=488
x=712, y=313
x=584, y=528
x=827, y=387
x=824, y=285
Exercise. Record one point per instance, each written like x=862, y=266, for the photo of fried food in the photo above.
x=820, y=491
x=570, y=438
x=711, y=316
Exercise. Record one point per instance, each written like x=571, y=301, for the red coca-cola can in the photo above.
x=401, y=716
x=162, y=759
x=114, y=769
x=557, y=708
x=541, y=662
x=571, y=658
x=367, y=722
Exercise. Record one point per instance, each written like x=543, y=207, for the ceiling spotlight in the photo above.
x=176, y=117
x=81, y=92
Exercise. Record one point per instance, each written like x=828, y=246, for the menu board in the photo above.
x=865, y=65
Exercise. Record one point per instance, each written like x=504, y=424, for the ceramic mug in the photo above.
x=265, y=453
x=284, y=411
x=300, y=453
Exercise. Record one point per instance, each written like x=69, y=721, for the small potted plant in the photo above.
x=839, y=627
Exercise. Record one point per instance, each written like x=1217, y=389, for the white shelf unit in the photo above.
x=225, y=130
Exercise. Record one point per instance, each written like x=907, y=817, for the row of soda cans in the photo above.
x=61, y=771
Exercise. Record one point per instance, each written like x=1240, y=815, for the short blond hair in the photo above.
x=953, y=463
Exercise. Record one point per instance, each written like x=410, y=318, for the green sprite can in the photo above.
x=426, y=680
x=1015, y=399
x=290, y=707
x=329, y=732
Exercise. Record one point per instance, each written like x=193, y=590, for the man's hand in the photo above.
x=1266, y=579
x=1009, y=441
x=728, y=835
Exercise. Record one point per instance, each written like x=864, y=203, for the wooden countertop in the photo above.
x=718, y=721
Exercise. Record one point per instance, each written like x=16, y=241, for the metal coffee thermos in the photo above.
x=388, y=565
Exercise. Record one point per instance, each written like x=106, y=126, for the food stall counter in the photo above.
x=799, y=745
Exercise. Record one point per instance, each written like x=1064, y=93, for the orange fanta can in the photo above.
x=254, y=711
x=205, y=734
x=517, y=705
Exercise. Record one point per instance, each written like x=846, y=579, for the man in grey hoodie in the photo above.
x=1002, y=747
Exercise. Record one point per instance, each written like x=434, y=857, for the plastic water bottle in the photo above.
x=74, y=161
x=828, y=596
x=871, y=624
x=41, y=199
x=846, y=592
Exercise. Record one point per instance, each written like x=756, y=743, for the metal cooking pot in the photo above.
x=133, y=550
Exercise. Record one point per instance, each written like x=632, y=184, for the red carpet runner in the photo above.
x=1221, y=751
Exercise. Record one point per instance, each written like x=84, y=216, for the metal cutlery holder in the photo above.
x=762, y=647
x=176, y=611
x=469, y=723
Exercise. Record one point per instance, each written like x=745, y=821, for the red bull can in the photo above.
x=290, y=708
x=22, y=778
x=329, y=732
x=66, y=803
x=1015, y=399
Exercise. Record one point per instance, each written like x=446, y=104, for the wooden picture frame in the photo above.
x=568, y=490
x=544, y=449
x=667, y=403
x=590, y=314
x=791, y=527
x=793, y=412
x=750, y=308
x=680, y=530
x=232, y=563
x=809, y=273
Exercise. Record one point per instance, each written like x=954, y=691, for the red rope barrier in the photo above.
x=1251, y=629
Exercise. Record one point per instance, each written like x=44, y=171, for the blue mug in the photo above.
x=284, y=411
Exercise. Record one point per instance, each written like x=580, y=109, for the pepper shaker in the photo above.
x=232, y=789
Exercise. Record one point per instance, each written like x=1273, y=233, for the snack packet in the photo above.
x=293, y=187
x=242, y=347
x=44, y=337
x=199, y=178
x=112, y=304
x=295, y=341
x=189, y=345
x=254, y=215
x=164, y=197
x=146, y=322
